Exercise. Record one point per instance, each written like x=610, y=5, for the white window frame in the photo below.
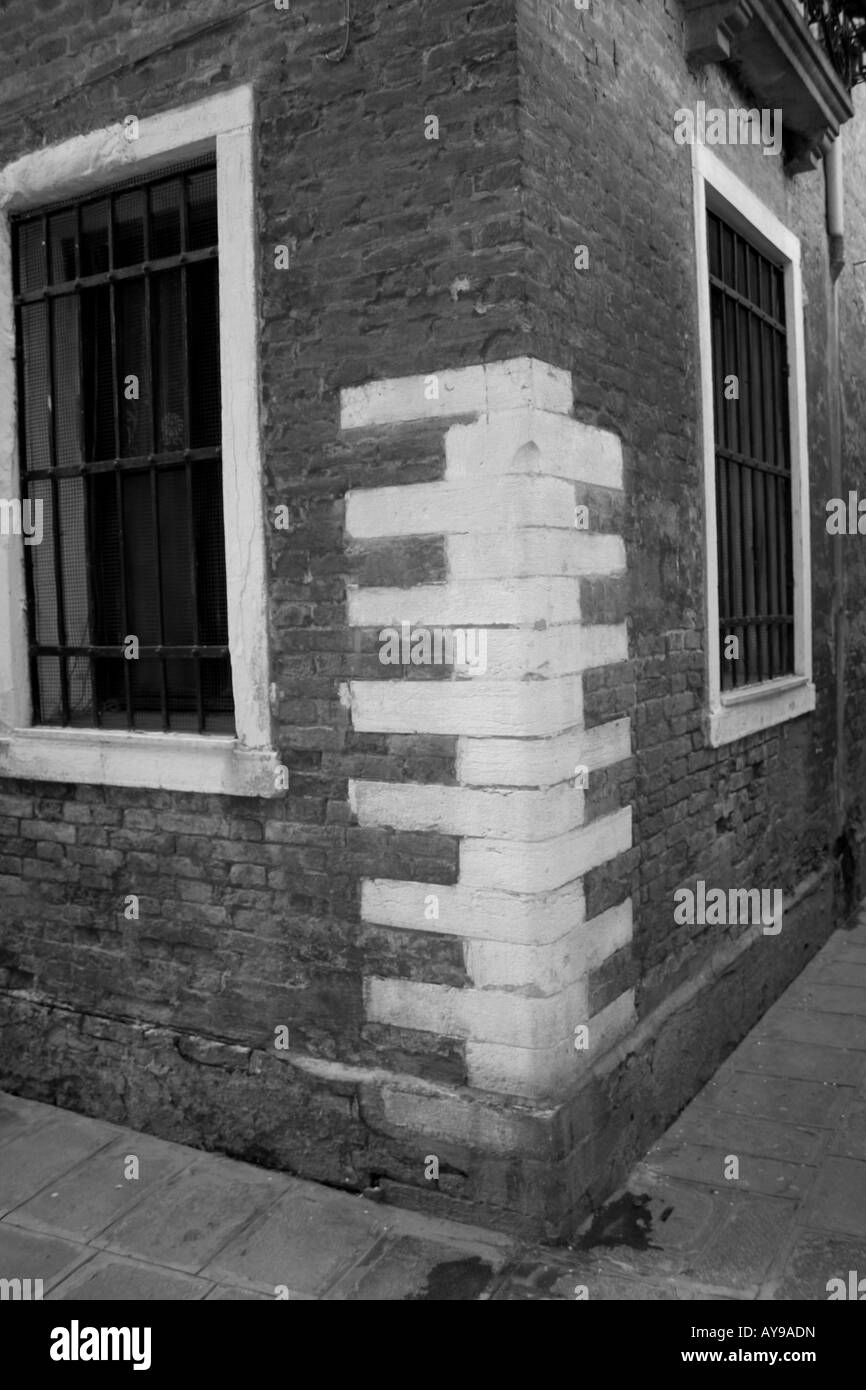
x=241, y=765
x=735, y=714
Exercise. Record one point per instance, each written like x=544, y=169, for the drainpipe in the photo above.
x=836, y=261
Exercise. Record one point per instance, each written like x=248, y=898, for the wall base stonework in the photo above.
x=532, y=1170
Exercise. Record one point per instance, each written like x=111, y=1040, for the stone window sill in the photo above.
x=168, y=762
x=749, y=711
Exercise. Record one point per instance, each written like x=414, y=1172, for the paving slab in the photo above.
x=801, y=1060
x=740, y=1252
x=648, y=1231
x=856, y=935
x=833, y=1031
x=224, y=1294
x=696, y=1234
x=839, y=1200
x=42, y=1154
x=190, y=1217
x=849, y=1141
x=849, y=975
x=707, y=1166
x=83, y=1202
x=416, y=1270
x=845, y=951
x=305, y=1242
x=729, y=1132
x=32, y=1255
x=18, y=1117
x=815, y=1259
x=778, y=1098
x=569, y=1289
x=106, y=1278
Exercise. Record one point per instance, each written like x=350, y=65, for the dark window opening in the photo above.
x=753, y=460
x=119, y=387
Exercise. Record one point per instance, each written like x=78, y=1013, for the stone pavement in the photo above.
x=758, y=1191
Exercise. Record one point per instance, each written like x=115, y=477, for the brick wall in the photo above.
x=407, y=256
x=599, y=91
x=250, y=910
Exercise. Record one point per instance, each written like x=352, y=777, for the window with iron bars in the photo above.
x=753, y=460
x=117, y=318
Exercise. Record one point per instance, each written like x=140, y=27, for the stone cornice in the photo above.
x=778, y=60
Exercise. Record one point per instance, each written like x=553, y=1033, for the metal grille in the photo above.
x=119, y=389
x=840, y=26
x=753, y=460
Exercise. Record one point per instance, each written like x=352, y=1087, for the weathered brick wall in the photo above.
x=408, y=256
x=599, y=92
x=249, y=910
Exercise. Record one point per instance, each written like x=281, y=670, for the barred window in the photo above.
x=117, y=320
x=753, y=460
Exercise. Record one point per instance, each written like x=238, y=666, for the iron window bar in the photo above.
x=141, y=575
x=753, y=460
x=840, y=27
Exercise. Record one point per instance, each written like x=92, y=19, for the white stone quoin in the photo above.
x=515, y=559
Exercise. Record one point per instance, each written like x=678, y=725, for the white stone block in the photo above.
x=538, y=968
x=546, y=967
x=532, y=552
x=512, y=602
x=525, y=381
x=474, y=507
x=614, y=1023
x=534, y=442
x=482, y=1015
x=542, y=1074
x=474, y=708
x=541, y=762
x=532, y=1074
x=473, y=913
x=547, y=864
x=511, y=814
x=494, y=388
x=562, y=650
x=603, y=936
x=397, y=400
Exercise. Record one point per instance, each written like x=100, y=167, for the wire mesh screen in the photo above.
x=753, y=460
x=117, y=307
